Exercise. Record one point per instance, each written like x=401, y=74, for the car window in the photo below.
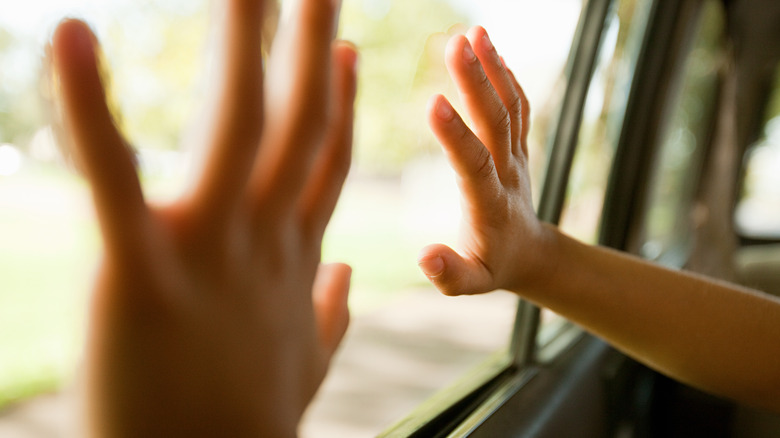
x=758, y=211
x=602, y=119
x=407, y=341
x=668, y=222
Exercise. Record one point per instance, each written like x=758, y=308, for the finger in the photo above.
x=332, y=165
x=298, y=88
x=234, y=136
x=525, y=113
x=469, y=158
x=502, y=81
x=491, y=119
x=330, y=295
x=99, y=148
x=453, y=274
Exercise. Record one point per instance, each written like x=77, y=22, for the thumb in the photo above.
x=454, y=274
x=330, y=294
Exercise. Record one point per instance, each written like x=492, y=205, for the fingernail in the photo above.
x=468, y=53
x=432, y=266
x=486, y=44
x=444, y=110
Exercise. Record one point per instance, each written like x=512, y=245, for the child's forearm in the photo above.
x=713, y=335
x=710, y=334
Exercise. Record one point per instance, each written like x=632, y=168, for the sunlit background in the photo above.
x=406, y=341
x=400, y=195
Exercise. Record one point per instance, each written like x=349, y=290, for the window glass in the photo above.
x=406, y=341
x=758, y=211
x=668, y=225
x=602, y=120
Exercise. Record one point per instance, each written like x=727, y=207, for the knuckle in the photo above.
x=516, y=106
x=485, y=167
x=501, y=120
x=484, y=82
x=513, y=177
x=463, y=136
x=499, y=116
x=450, y=284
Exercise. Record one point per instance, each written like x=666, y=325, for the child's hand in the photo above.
x=500, y=235
x=212, y=316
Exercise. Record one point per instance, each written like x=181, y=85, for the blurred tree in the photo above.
x=773, y=104
x=156, y=56
x=20, y=106
x=401, y=65
x=5, y=41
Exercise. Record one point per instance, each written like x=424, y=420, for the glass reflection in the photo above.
x=603, y=118
x=667, y=233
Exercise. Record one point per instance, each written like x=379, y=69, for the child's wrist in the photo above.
x=541, y=261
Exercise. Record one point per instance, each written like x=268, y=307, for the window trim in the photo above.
x=563, y=146
x=657, y=69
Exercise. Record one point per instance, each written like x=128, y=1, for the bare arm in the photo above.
x=713, y=335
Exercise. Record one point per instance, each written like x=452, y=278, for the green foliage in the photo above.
x=20, y=103
x=401, y=66
x=156, y=63
x=773, y=105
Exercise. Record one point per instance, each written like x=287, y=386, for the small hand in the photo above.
x=212, y=316
x=500, y=231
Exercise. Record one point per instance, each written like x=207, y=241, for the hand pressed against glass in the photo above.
x=500, y=232
x=212, y=315
x=618, y=297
